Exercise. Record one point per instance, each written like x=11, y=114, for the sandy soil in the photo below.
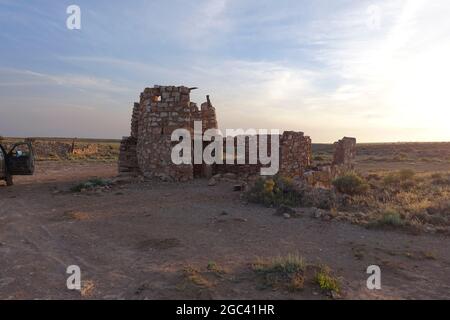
x=134, y=240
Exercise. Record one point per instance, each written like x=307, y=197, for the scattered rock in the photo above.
x=430, y=229
x=318, y=213
x=335, y=295
x=212, y=182
x=230, y=176
x=281, y=210
x=286, y=215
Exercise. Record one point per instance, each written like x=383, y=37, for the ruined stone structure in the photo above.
x=344, y=155
x=128, y=156
x=295, y=156
x=344, y=151
x=162, y=109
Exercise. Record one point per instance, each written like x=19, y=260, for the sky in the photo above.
x=375, y=70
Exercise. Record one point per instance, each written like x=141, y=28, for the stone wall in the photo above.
x=127, y=157
x=295, y=153
x=135, y=120
x=44, y=149
x=294, y=150
x=344, y=151
x=128, y=163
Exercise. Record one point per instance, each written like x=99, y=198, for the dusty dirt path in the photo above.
x=135, y=240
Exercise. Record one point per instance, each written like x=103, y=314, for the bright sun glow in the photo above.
x=420, y=92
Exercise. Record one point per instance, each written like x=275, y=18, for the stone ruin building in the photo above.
x=162, y=109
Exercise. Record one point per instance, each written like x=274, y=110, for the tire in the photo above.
x=9, y=180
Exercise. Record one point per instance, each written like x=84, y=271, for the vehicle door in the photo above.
x=20, y=159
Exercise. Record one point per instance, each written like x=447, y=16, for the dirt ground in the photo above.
x=135, y=241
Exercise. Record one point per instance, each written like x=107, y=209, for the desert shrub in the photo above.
x=400, y=157
x=413, y=202
x=373, y=176
x=321, y=198
x=388, y=218
x=319, y=158
x=326, y=281
x=90, y=184
x=285, y=272
x=408, y=184
x=440, y=180
x=351, y=184
x=440, y=207
x=436, y=176
x=403, y=178
x=406, y=174
x=215, y=268
x=195, y=276
x=391, y=179
x=274, y=192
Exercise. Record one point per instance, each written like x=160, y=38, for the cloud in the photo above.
x=205, y=25
x=18, y=77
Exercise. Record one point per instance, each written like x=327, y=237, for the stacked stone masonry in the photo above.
x=163, y=109
x=344, y=151
x=127, y=156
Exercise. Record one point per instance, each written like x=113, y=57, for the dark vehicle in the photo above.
x=18, y=161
